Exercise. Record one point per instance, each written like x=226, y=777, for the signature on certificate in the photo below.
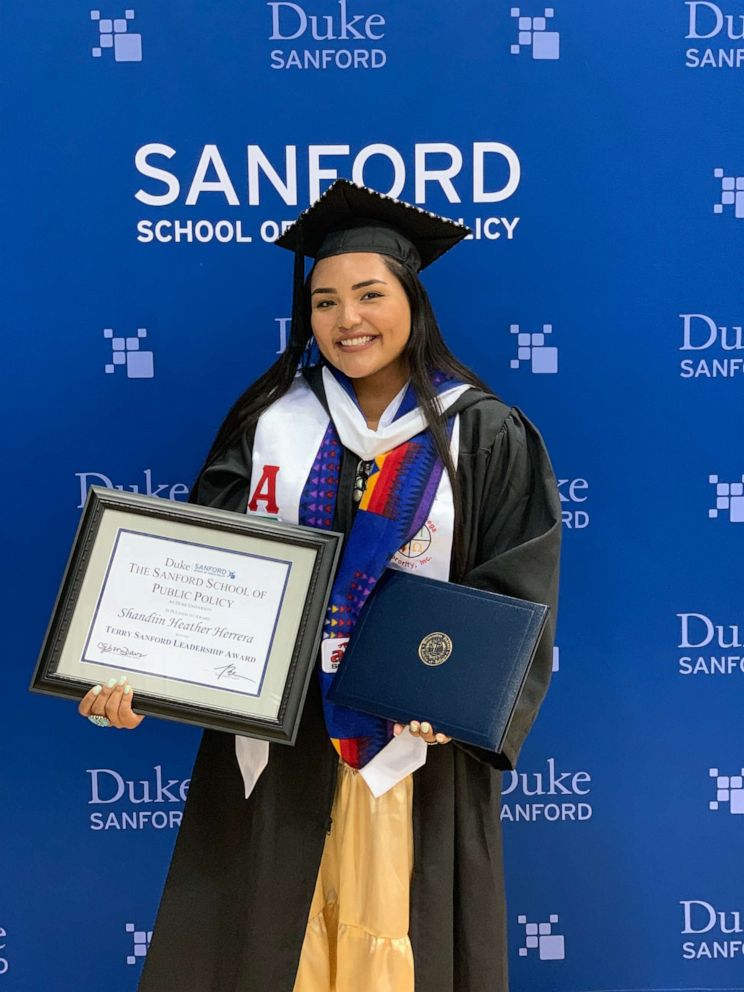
x=126, y=652
x=230, y=672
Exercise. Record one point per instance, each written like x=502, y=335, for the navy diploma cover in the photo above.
x=433, y=650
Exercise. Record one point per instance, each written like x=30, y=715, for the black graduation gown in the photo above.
x=236, y=901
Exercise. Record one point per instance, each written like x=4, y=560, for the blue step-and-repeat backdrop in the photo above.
x=152, y=155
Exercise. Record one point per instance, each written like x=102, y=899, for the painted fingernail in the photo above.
x=122, y=680
x=415, y=726
x=96, y=689
x=127, y=690
x=440, y=738
x=111, y=683
x=426, y=728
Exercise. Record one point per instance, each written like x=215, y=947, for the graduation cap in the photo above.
x=350, y=218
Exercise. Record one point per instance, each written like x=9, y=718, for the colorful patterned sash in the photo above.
x=396, y=502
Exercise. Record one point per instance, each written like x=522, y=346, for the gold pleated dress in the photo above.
x=357, y=930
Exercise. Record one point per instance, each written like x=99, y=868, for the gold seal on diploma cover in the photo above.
x=435, y=648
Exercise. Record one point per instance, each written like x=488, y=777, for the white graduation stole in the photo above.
x=288, y=436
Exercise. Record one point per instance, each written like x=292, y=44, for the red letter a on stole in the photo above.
x=265, y=491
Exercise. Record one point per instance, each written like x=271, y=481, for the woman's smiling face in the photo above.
x=360, y=316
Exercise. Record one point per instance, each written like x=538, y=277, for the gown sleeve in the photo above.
x=224, y=484
x=517, y=549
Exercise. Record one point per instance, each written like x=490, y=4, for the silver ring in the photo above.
x=100, y=721
x=430, y=743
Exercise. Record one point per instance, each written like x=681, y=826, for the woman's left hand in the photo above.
x=423, y=729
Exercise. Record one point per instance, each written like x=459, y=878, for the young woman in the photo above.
x=362, y=859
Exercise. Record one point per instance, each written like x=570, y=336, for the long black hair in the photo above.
x=425, y=353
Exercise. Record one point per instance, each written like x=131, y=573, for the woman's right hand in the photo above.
x=114, y=701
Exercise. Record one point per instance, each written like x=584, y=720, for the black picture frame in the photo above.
x=311, y=557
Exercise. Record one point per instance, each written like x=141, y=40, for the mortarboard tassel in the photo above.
x=298, y=289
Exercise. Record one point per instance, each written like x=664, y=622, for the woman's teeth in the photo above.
x=355, y=342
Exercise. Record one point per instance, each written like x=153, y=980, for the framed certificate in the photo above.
x=214, y=617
